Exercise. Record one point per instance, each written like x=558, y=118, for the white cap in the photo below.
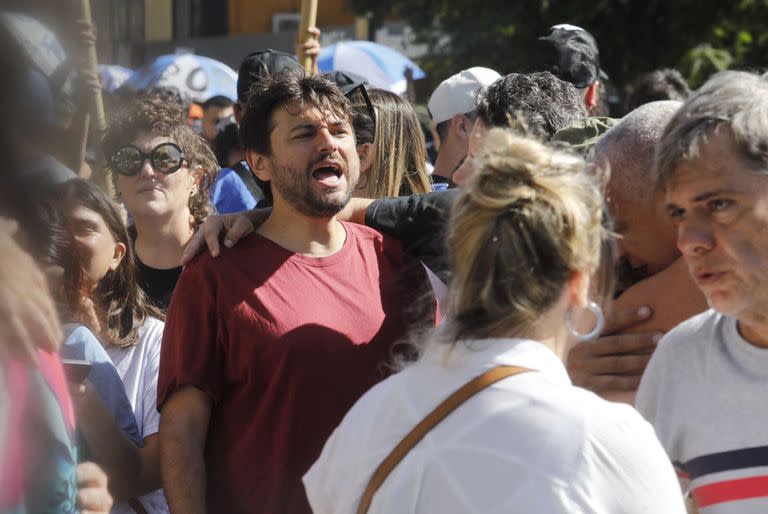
x=456, y=94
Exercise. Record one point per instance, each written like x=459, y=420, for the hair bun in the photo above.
x=529, y=218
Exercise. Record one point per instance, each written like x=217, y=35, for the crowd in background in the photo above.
x=283, y=302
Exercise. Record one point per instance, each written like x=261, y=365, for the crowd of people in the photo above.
x=290, y=309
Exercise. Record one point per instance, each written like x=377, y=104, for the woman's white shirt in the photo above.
x=138, y=366
x=529, y=443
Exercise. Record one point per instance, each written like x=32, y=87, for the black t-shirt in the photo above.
x=158, y=284
x=420, y=222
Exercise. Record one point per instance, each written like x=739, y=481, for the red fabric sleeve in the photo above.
x=192, y=320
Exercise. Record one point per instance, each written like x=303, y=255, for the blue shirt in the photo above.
x=82, y=344
x=230, y=194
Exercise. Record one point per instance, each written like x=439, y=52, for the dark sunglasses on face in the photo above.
x=165, y=158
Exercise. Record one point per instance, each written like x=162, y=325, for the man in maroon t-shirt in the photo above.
x=267, y=346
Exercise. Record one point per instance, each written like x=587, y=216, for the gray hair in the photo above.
x=736, y=99
x=629, y=147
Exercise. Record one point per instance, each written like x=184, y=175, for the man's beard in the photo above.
x=295, y=186
x=627, y=276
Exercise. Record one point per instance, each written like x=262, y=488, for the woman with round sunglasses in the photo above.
x=162, y=171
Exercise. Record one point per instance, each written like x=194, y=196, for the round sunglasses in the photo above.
x=165, y=158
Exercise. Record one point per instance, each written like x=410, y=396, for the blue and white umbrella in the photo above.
x=383, y=66
x=197, y=78
x=113, y=76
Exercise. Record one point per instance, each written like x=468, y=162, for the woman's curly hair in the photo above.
x=163, y=118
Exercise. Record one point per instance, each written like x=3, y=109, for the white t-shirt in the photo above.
x=705, y=391
x=138, y=366
x=529, y=443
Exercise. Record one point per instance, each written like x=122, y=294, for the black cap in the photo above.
x=569, y=53
x=261, y=64
x=346, y=80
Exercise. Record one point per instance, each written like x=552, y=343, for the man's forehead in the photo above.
x=301, y=113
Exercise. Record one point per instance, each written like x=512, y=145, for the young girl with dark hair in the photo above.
x=115, y=308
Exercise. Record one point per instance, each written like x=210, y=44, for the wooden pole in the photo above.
x=97, y=118
x=308, y=19
x=97, y=107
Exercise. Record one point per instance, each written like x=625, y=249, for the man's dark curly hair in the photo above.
x=537, y=104
x=155, y=116
x=289, y=87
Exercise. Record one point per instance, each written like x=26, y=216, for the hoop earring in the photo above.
x=597, y=312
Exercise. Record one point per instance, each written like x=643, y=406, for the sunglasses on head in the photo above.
x=363, y=92
x=165, y=158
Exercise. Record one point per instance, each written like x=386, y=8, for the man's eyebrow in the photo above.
x=302, y=126
x=710, y=194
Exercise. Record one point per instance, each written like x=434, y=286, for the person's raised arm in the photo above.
x=183, y=429
x=310, y=47
x=87, y=85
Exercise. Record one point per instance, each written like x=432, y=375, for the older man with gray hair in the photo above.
x=705, y=387
x=654, y=279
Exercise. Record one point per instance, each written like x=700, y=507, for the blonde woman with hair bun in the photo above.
x=525, y=242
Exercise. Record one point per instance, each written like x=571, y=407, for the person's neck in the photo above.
x=448, y=159
x=550, y=331
x=161, y=244
x=298, y=233
x=754, y=329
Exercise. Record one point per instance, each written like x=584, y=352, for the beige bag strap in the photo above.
x=432, y=419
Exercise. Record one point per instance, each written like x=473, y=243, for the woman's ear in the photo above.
x=365, y=152
x=578, y=289
x=196, y=174
x=117, y=258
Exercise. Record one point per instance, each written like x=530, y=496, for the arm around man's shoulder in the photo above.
x=419, y=222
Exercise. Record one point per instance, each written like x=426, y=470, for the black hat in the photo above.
x=570, y=53
x=346, y=80
x=260, y=64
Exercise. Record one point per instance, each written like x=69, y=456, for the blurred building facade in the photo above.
x=133, y=32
